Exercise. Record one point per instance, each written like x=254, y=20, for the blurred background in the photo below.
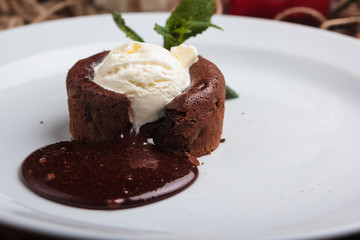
x=336, y=15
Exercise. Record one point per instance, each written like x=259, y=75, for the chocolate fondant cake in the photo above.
x=192, y=123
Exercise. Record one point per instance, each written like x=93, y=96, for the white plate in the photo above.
x=289, y=167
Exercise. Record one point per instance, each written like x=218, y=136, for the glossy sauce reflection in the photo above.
x=125, y=173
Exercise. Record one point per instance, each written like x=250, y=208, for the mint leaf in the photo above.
x=191, y=17
x=120, y=22
x=170, y=39
x=230, y=93
x=197, y=24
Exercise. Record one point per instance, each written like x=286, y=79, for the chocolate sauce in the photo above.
x=125, y=173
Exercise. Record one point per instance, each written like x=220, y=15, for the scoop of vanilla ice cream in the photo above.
x=148, y=74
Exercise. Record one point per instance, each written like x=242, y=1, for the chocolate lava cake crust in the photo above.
x=192, y=123
x=194, y=119
x=96, y=114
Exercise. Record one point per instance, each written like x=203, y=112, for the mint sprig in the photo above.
x=120, y=22
x=190, y=18
x=230, y=93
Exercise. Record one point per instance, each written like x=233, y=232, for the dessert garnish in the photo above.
x=230, y=93
x=190, y=18
x=173, y=99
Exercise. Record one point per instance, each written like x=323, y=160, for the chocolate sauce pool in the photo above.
x=125, y=173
